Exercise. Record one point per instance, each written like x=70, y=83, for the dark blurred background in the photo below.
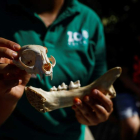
x=122, y=31
x=121, y=24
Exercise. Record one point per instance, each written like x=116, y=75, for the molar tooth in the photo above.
x=64, y=86
x=77, y=83
x=74, y=85
x=59, y=87
x=53, y=88
x=71, y=85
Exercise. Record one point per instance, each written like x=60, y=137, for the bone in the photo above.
x=52, y=59
x=44, y=101
x=74, y=85
x=33, y=59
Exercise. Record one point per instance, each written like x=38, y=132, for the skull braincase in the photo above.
x=33, y=59
x=28, y=57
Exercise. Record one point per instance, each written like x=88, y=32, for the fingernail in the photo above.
x=95, y=91
x=16, y=47
x=77, y=101
x=14, y=54
x=20, y=82
x=86, y=98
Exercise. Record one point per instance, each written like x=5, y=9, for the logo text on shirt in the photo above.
x=77, y=38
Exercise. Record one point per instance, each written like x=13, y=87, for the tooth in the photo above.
x=74, y=85
x=52, y=59
x=77, y=82
x=71, y=85
x=64, y=86
x=53, y=88
x=49, y=101
x=59, y=87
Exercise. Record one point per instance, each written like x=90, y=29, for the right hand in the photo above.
x=12, y=79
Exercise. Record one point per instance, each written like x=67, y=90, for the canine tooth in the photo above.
x=52, y=59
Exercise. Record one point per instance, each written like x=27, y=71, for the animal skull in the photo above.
x=45, y=101
x=33, y=59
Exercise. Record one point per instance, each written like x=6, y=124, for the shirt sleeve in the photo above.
x=99, y=53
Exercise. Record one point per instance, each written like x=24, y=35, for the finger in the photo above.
x=86, y=112
x=90, y=102
x=24, y=76
x=8, y=53
x=9, y=44
x=8, y=68
x=6, y=61
x=105, y=101
x=81, y=119
x=8, y=84
x=99, y=110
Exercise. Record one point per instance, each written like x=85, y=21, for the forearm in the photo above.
x=6, y=109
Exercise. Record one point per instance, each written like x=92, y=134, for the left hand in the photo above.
x=93, y=109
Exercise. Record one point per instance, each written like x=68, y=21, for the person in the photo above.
x=73, y=34
x=126, y=106
x=128, y=84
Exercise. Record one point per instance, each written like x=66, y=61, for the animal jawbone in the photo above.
x=60, y=97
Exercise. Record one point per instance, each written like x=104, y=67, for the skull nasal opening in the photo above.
x=47, y=66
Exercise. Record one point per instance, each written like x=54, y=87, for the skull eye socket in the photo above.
x=47, y=66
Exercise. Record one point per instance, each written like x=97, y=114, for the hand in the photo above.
x=12, y=79
x=8, y=48
x=93, y=109
x=12, y=82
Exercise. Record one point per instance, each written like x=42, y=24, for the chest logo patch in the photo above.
x=77, y=38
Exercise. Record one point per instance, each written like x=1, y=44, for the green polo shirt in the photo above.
x=76, y=40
